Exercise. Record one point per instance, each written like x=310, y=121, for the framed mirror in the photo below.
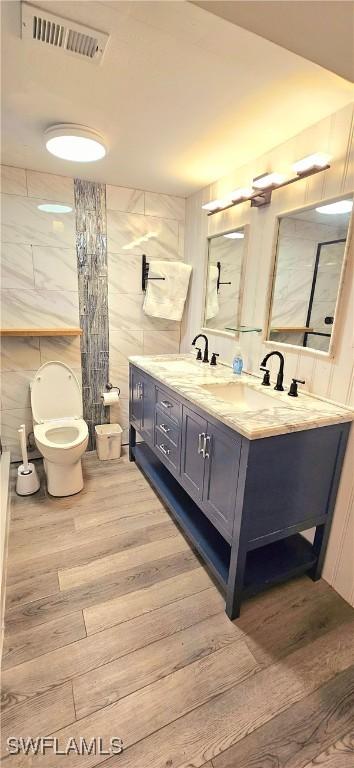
x=225, y=266
x=310, y=255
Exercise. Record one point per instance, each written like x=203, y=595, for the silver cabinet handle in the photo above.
x=140, y=390
x=164, y=450
x=166, y=404
x=206, y=453
x=201, y=437
x=164, y=429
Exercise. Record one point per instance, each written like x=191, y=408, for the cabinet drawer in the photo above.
x=167, y=426
x=168, y=405
x=168, y=452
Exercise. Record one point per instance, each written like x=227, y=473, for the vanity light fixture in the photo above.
x=341, y=206
x=75, y=143
x=267, y=180
x=264, y=185
x=235, y=235
x=242, y=193
x=319, y=160
x=214, y=205
x=54, y=208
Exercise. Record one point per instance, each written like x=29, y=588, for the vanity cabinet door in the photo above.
x=136, y=397
x=194, y=429
x=148, y=410
x=222, y=458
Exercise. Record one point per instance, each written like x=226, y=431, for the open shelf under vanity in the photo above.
x=266, y=565
x=204, y=537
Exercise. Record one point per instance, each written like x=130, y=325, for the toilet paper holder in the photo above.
x=110, y=386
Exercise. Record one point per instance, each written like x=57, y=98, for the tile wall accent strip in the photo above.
x=91, y=251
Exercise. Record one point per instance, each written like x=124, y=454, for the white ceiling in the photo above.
x=320, y=30
x=182, y=96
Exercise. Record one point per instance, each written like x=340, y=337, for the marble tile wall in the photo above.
x=91, y=250
x=43, y=255
x=38, y=288
x=138, y=222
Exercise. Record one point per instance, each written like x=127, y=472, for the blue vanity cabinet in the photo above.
x=194, y=429
x=142, y=404
x=135, y=397
x=243, y=503
x=222, y=459
x=209, y=468
x=148, y=409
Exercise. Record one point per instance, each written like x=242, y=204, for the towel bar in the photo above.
x=218, y=264
x=145, y=273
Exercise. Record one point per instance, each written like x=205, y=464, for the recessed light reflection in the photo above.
x=139, y=240
x=341, y=206
x=54, y=208
x=235, y=235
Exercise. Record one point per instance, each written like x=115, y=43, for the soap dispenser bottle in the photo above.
x=237, y=363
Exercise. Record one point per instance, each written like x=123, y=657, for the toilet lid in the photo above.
x=55, y=393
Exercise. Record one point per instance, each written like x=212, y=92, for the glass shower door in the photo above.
x=322, y=304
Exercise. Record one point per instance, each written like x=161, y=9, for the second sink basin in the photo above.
x=241, y=396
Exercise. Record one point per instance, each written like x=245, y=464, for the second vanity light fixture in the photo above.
x=260, y=192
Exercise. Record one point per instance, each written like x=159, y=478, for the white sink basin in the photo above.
x=241, y=396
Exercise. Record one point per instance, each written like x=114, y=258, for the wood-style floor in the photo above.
x=115, y=628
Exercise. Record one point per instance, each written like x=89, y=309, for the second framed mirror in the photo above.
x=311, y=249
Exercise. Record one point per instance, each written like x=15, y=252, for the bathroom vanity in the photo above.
x=242, y=468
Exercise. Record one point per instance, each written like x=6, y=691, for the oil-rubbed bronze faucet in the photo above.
x=280, y=377
x=206, y=348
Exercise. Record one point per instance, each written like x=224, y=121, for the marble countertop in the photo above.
x=187, y=377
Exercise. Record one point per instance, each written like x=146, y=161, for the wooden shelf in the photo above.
x=40, y=332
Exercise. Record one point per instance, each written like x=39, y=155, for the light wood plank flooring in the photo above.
x=115, y=628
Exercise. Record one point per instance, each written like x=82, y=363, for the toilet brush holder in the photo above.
x=27, y=480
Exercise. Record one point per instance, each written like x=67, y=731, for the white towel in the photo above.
x=212, y=299
x=166, y=298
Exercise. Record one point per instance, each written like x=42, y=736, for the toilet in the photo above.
x=60, y=432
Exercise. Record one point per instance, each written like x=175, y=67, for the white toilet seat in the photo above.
x=61, y=434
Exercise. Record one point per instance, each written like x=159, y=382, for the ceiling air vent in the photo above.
x=56, y=32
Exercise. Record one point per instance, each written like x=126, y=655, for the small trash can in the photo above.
x=108, y=441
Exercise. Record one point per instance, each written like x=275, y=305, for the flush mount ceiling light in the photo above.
x=54, y=208
x=235, y=235
x=75, y=143
x=341, y=206
x=264, y=185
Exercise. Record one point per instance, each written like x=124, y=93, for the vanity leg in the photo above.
x=132, y=442
x=239, y=543
x=322, y=531
x=319, y=547
x=235, y=582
